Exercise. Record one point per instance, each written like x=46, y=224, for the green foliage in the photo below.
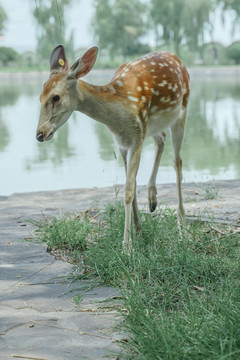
x=214, y=53
x=211, y=193
x=67, y=233
x=51, y=24
x=234, y=6
x=181, y=294
x=3, y=19
x=118, y=25
x=231, y=4
x=233, y=52
x=7, y=55
x=196, y=18
x=177, y=21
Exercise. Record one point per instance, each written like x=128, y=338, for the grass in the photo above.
x=181, y=296
x=67, y=235
x=211, y=193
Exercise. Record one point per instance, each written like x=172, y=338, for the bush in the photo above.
x=214, y=54
x=233, y=52
x=7, y=54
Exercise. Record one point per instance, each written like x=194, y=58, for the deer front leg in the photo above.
x=136, y=220
x=152, y=189
x=130, y=197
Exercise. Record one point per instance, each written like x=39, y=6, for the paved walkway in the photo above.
x=38, y=319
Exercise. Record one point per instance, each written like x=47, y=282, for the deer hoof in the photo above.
x=152, y=198
x=152, y=206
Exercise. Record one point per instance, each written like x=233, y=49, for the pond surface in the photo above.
x=83, y=153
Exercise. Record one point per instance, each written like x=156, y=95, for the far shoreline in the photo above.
x=194, y=71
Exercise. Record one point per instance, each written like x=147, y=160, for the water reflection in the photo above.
x=84, y=154
x=56, y=151
x=8, y=96
x=212, y=136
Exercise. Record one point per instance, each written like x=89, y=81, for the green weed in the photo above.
x=181, y=294
x=67, y=233
x=211, y=193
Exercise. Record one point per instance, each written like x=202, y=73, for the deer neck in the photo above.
x=100, y=103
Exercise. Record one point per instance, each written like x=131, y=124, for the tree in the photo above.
x=179, y=21
x=231, y=5
x=3, y=19
x=118, y=25
x=7, y=54
x=167, y=19
x=233, y=52
x=50, y=18
x=196, y=17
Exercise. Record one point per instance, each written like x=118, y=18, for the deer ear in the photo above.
x=58, y=61
x=82, y=66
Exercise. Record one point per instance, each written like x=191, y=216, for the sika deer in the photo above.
x=145, y=97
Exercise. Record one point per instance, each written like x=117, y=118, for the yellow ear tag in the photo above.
x=61, y=62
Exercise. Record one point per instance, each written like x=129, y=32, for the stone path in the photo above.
x=38, y=318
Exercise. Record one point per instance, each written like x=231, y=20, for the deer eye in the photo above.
x=55, y=98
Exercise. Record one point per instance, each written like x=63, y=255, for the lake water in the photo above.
x=83, y=153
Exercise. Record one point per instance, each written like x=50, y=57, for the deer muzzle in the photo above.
x=39, y=137
x=44, y=135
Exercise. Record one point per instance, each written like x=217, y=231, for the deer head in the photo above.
x=60, y=97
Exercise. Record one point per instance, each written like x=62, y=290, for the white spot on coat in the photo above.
x=136, y=62
x=163, y=83
x=132, y=98
x=175, y=87
x=112, y=90
x=165, y=99
x=144, y=114
x=119, y=83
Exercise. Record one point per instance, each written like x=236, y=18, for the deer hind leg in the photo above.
x=152, y=189
x=177, y=133
x=130, y=195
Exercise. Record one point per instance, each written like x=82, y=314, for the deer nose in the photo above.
x=40, y=137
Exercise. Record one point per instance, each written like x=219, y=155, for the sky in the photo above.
x=21, y=29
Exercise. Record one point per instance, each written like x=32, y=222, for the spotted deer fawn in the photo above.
x=145, y=96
